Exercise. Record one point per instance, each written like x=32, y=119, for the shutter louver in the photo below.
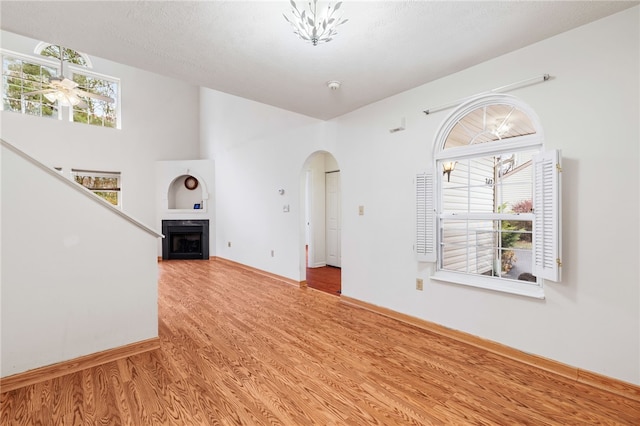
x=547, y=210
x=425, y=218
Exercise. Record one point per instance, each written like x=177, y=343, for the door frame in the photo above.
x=313, y=235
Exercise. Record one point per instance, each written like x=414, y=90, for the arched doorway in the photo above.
x=322, y=222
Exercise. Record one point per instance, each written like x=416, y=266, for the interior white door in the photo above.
x=333, y=213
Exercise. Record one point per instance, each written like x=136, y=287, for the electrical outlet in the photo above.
x=419, y=284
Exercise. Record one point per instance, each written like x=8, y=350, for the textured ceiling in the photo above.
x=246, y=48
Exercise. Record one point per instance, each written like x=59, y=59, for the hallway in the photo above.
x=326, y=278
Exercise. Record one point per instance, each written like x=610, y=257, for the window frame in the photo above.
x=79, y=70
x=40, y=61
x=531, y=142
x=104, y=174
x=524, y=288
x=40, y=47
x=71, y=70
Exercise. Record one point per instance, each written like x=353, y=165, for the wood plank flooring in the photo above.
x=325, y=278
x=238, y=348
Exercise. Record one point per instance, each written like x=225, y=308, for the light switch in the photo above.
x=361, y=210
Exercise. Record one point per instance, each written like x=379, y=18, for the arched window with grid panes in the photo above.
x=489, y=212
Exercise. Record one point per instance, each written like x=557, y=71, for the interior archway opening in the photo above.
x=320, y=184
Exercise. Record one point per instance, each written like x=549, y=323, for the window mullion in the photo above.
x=471, y=151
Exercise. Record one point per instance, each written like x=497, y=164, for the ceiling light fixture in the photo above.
x=62, y=99
x=333, y=84
x=501, y=130
x=313, y=28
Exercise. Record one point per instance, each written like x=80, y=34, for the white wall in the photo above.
x=317, y=218
x=159, y=122
x=88, y=292
x=258, y=149
x=589, y=109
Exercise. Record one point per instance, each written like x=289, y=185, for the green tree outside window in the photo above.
x=20, y=76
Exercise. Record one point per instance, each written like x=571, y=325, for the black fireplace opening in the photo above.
x=185, y=239
x=187, y=242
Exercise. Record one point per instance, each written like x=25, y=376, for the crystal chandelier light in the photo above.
x=314, y=28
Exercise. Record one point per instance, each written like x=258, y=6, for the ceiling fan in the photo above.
x=66, y=92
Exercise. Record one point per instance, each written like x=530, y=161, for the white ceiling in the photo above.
x=246, y=48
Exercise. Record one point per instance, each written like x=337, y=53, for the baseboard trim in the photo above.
x=598, y=381
x=256, y=270
x=49, y=372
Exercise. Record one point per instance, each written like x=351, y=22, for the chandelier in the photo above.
x=314, y=28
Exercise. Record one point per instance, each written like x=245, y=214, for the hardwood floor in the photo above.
x=238, y=348
x=325, y=278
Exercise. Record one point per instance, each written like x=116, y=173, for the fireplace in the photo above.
x=185, y=239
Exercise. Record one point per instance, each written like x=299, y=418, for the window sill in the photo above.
x=489, y=283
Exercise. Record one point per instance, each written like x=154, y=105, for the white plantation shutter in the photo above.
x=547, y=208
x=425, y=218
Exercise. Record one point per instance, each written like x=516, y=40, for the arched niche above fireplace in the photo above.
x=187, y=193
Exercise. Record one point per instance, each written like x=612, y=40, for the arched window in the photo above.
x=69, y=55
x=495, y=199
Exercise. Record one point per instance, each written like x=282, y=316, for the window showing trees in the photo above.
x=35, y=87
x=97, y=112
x=69, y=55
x=493, y=201
x=21, y=76
x=105, y=185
